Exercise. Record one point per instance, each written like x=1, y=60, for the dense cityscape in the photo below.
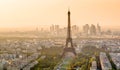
x=25, y=53
x=42, y=50
x=61, y=45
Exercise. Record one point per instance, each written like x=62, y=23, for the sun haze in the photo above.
x=27, y=14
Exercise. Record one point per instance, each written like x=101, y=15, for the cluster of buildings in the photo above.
x=7, y=58
x=17, y=62
x=92, y=30
x=87, y=31
x=23, y=63
x=55, y=30
x=105, y=63
x=19, y=46
x=22, y=53
x=16, y=54
x=94, y=65
x=116, y=59
x=110, y=45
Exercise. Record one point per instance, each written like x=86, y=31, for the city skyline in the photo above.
x=59, y=35
x=27, y=15
x=48, y=28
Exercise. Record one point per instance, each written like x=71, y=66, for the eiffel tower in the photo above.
x=69, y=48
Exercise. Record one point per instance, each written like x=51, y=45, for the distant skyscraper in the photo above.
x=92, y=30
x=52, y=28
x=98, y=29
x=75, y=29
x=86, y=29
x=56, y=27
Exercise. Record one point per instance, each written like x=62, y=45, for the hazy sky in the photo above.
x=26, y=14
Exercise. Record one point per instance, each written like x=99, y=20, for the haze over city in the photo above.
x=28, y=14
x=59, y=35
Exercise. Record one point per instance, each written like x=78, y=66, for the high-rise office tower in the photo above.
x=98, y=29
x=86, y=29
x=92, y=30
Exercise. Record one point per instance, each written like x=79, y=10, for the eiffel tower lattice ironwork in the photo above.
x=69, y=44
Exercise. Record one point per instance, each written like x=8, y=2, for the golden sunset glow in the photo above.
x=22, y=14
